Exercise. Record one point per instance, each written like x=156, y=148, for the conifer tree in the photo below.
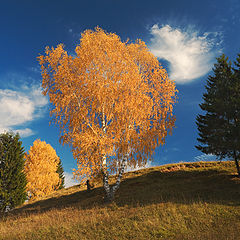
x=12, y=177
x=60, y=172
x=219, y=128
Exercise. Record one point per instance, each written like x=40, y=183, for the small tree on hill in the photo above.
x=60, y=172
x=41, y=169
x=12, y=178
x=219, y=128
x=113, y=102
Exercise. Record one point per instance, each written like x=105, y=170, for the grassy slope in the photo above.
x=180, y=201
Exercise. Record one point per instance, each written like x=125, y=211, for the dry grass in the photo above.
x=180, y=201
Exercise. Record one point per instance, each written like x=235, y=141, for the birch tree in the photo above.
x=112, y=100
x=41, y=170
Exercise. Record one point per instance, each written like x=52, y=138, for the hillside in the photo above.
x=178, y=201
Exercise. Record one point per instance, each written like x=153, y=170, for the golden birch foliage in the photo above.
x=40, y=168
x=110, y=99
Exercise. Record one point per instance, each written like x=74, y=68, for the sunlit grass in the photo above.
x=181, y=201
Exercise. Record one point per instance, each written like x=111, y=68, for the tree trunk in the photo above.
x=88, y=185
x=236, y=162
x=110, y=190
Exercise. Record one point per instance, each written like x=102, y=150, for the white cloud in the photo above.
x=147, y=165
x=205, y=157
x=69, y=181
x=25, y=132
x=190, y=55
x=35, y=69
x=18, y=107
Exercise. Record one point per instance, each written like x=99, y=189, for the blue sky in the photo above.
x=186, y=36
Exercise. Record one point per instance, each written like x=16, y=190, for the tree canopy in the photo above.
x=12, y=178
x=219, y=128
x=60, y=172
x=41, y=169
x=111, y=99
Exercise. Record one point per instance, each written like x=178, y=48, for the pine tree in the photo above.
x=12, y=178
x=219, y=127
x=235, y=106
x=60, y=171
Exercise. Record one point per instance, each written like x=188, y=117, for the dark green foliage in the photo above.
x=12, y=177
x=60, y=171
x=219, y=128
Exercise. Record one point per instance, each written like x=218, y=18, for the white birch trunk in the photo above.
x=110, y=191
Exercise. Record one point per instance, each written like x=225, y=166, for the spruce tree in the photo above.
x=235, y=106
x=219, y=128
x=60, y=171
x=12, y=177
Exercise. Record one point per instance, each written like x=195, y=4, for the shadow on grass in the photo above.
x=210, y=186
x=81, y=199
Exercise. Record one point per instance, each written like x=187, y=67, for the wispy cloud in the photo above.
x=25, y=132
x=35, y=69
x=205, y=157
x=190, y=54
x=19, y=107
x=69, y=181
x=148, y=165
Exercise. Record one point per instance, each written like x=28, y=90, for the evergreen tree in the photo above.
x=219, y=128
x=60, y=171
x=12, y=177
